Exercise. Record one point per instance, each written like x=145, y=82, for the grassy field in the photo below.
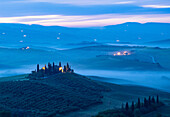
x=56, y=95
x=68, y=95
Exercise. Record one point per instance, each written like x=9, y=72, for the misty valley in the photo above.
x=106, y=70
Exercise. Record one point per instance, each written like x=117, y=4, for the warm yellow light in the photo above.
x=43, y=68
x=60, y=69
x=124, y=53
x=118, y=53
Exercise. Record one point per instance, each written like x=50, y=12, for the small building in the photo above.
x=51, y=69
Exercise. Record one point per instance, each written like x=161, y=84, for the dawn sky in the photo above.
x=86, y=13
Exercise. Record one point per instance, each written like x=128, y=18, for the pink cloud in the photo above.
x=86, y=20
x=156, y=6
x=85, y=2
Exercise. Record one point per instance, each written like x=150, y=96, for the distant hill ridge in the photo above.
x=56, y=35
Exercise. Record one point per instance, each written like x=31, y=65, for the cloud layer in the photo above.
x=156, y=6
x=103, y=2
x=78, y=13
x=86, y=20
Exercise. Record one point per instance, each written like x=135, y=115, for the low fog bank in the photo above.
x=155, y=79
x=139, y=45
x=18, y=71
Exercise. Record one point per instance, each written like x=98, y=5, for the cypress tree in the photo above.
x=145, y=103
x=49, y=68
x=133, y=106
x=59, y=64
x=138, y=105
x=68, y=66
x=149, y=100
x=53, y=66
x=157, y=99
x=38, y=68
x=65, y=69
x=127, y=106
x=45, y=69
x=153, y=100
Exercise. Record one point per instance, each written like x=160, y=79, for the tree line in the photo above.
x=137, y=109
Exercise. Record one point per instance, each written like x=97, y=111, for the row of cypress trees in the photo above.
x=137, y=109
x=146, y=103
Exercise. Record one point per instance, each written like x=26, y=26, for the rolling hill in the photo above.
x=19, y=35
x=67, y=95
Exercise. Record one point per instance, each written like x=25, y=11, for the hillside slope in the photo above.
x=67, y=95
x=55, y=95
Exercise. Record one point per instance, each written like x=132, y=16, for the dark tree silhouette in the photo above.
x=157, y=99
x=138, y=104
x=143, y=108
x=45, y=69
x=153, y=100
x=53, y=66
x=59, y=64
x=38, y=67
x=49, y=68
x=145, y=102
x=67, y=65
x=149, y=100
x=133, y=106
x=127, y=106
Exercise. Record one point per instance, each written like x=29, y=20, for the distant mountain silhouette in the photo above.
x=56, y=35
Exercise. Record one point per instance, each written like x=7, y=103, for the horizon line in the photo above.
x=87, y=26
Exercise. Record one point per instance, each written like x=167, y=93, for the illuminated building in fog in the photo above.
x=50, y=70
x=122, y=53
